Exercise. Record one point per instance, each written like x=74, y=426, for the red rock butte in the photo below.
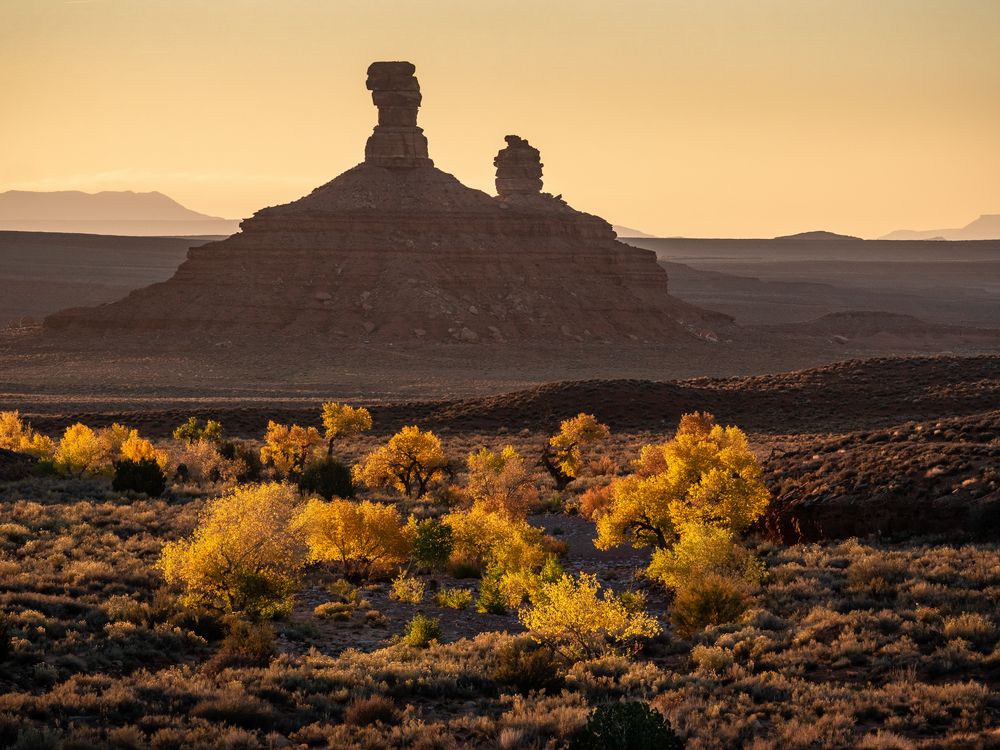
x=396, y=250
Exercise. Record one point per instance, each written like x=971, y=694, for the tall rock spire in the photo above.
x=396, y=142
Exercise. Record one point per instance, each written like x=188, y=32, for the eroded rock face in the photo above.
x=397, y=250
x=396, y=142
x=519, y=169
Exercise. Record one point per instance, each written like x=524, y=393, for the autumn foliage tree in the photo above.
x=562, y=456
x=689, y=499
x=501, y=481
x=410, y=461
x=341, y=421
x=17, y=435
x=578, y=621
x=194, y=430
x=80, y=450
x=244, y=556
x=288, y=448
x=356, y=536
x=706, y=475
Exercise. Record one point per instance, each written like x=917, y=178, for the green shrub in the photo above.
x=194, y=430
x=454, y=598
x=712, y=600
x=408, y=589
x=626, y=726
x=421, y=630
x=327, y=478
x=343, y=590
x=432, y=543
x=523, y=666
x=491, y=599
x=339, y=611
x=139, y=476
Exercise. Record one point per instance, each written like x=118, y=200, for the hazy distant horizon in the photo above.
x=723, y=119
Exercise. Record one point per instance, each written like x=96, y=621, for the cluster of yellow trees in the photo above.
x=689, y=499
x=81, y=449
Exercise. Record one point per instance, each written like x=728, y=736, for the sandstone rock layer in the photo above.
x=398, y=250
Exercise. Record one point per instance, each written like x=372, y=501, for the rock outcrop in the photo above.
x=396, y=142
x=519, y=169
x=397, y=250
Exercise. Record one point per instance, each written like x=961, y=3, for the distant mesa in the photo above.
x=817, y=235
x=628, y=232
x=396, y=250
x=107, y=212
x=986, y=227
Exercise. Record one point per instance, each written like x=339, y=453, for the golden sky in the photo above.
x=701, y=118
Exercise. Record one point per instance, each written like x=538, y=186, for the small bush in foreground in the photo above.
x=972, y=627
x=375, y=709
x=421, y=630
x=712, y=600
x=144, y=475
x=339, y=611
x=570, y=616
x=455, y=598
x=712, y=658
x=524, y=666
x=408, y=589
x=626, y=726
x=245, y=645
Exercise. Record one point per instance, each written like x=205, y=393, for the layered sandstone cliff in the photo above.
x=398, y=250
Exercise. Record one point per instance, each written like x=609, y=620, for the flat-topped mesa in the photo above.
x=396, y=142
x=519, y=169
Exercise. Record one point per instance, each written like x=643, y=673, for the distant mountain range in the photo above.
x=110, y=212
x=986, y=227
x=817, y=235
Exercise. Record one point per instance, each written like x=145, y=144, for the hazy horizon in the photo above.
x=724, y=119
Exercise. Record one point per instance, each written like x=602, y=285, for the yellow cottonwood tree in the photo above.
x=410, y=461
x=341, y=420
x=578, y=621
x=17, y=435
x=289, y=447
x=357, y=536
x=244, y=556
x=80, y=450
x=137, y=449
x=491, y=540
x=112, y=439
x=563, y=455
x=501, y=480
x=702, y=550
x=706, y=475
